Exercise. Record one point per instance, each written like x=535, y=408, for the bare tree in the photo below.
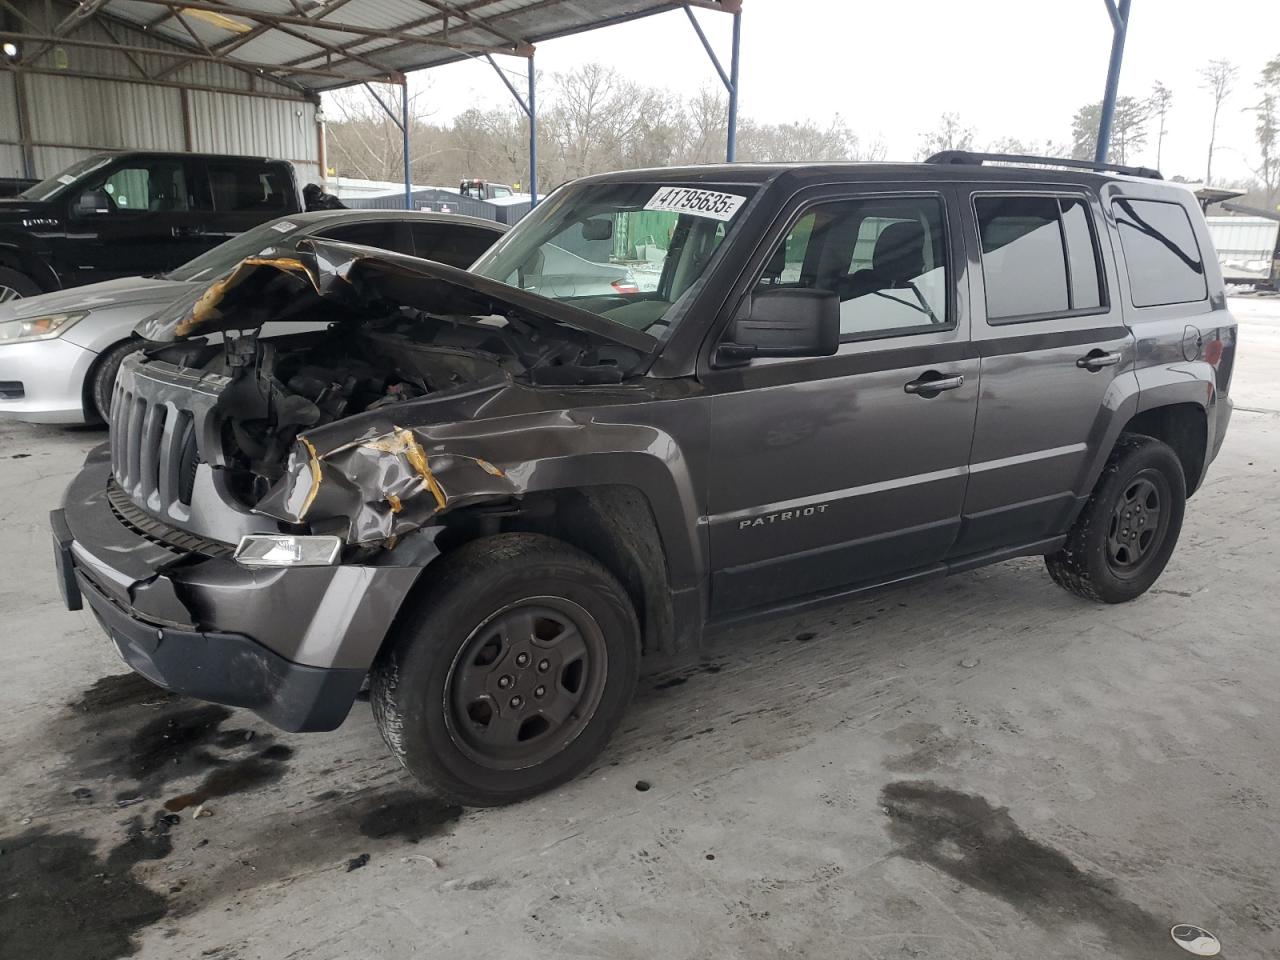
x=1267, y=130
x=592, y=120
x=1161, y=100
x=1128, y=130
x=1218, y=78
x=950, y=134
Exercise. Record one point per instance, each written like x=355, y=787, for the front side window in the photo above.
x=383, y=234
x=1161, y=253
x=1039, y=257
x=157, y=186
x=885, y=257
x=627, y=252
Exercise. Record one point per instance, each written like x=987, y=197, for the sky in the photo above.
x=1009, y=68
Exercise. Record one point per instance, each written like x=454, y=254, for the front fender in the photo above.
x=390, y=484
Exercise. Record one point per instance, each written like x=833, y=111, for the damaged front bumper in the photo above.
x=291, y=644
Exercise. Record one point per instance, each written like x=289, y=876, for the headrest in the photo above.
x=899, y=252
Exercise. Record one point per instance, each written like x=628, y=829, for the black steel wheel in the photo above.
x=1126, y=532
x=509, y=673
x=1138, y=525
x=526, y=682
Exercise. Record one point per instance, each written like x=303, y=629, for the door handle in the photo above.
x=180, y=232
x=931, y=383
x=1095, y=360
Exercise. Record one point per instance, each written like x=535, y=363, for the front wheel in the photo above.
x=102, y=379
x=509, y=674
x=1126, y=533
x=15, y=285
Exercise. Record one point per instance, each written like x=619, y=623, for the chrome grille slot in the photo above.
x=160, y=417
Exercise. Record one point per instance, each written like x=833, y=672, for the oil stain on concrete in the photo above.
x=61, y=901
x=969, y=840
x=125, y=731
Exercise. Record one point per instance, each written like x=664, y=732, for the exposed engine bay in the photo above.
x=281, y=387
x=382, y=330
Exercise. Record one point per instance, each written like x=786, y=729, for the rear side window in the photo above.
x=1161, y=253
x=457, y=246
x=1039, y=257
x=885, y=257
x=242, y=187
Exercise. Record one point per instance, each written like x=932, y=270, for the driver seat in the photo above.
x=898, y=259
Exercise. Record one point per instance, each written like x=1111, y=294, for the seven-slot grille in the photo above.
x=153, y=449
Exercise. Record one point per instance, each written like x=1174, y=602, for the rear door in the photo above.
x=834, y=471
x=1049, y=328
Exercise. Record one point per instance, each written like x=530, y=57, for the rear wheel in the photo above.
x=102, y=379
x=1126, y=533
x=508, y=675
x=15, y=285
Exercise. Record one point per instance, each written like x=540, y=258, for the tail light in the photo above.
x=625, y=287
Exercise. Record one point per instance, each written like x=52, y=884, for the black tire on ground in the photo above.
x=102, y=378
x=510, y=672
x=15, y=285
x=1126, y=532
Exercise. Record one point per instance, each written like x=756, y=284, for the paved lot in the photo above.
x=980, y=768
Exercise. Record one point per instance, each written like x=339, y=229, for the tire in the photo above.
x=1126, y=533
x=500, y=618
x=102, y=378
x=15, y=285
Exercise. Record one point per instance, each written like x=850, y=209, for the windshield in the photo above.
x=47, y=189
x=626, y=252
x=221, y=259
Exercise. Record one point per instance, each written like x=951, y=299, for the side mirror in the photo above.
x=786, y=322
x=90, y=202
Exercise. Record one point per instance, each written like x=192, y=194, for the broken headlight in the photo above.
x=287, y=550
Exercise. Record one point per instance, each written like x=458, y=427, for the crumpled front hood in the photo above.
x=340, y=279
x=107, y=295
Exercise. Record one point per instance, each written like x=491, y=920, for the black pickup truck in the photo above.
x=124, y=214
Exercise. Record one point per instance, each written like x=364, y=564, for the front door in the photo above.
x=1052, y=338
x=835, y=471
x=136, y=217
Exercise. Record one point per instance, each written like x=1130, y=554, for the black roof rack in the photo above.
x=976, y=159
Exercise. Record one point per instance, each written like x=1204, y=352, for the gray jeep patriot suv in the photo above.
x=495, y=492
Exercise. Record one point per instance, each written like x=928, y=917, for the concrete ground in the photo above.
x=984, y=767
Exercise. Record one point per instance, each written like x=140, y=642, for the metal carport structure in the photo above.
x=299, y=48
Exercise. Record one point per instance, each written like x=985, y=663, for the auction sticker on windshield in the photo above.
x=699, y=203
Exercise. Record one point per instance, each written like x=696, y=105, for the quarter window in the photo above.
x=1161, y=253
x=241, y=187
x=1039, y=257
x=885, y=258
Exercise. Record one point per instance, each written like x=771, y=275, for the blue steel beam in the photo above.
x=1120, y=29
x=730, y=79
x=530, y=108
x=404, y=130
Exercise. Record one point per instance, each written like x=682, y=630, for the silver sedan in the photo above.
x=59, y=352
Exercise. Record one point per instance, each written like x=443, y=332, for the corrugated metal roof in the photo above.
x=323, y=44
